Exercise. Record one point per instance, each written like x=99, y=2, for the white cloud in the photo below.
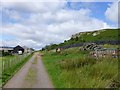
x=112, y=12
x=59, y=0
x=47, y=23
x=34, y=7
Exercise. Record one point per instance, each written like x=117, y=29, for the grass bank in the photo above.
x=17, y=62
x=0, y=71
x=1, y=59
x=73, y=68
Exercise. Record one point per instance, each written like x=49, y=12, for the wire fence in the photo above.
x=10, y=66
x=10, y=63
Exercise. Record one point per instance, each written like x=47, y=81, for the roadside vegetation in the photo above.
x=1, y=59
x=72, y=68
x=11, y=64
x=0, y=71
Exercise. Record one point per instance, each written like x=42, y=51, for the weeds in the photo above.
x=76, y=63
x=35, y=60
x=74, y=69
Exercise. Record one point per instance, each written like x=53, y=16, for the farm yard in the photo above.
x=10, y=65
x=74, y=68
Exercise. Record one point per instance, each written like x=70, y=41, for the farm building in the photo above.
x=15, y=50
x=27, y=49
x=31, y=50
x=6, y=50
x=18, y=50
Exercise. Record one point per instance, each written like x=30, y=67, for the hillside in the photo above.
x=98, y=36
x=108, y=34
x=77, y=68
x=73, y=68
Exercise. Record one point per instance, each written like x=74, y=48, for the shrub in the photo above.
x=5, y=53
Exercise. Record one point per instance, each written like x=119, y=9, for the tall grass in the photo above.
x=73, y=68
x=98, y=75
x=76, y=63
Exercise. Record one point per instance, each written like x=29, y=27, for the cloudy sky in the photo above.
x=36, y=24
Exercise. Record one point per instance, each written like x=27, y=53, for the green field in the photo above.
x=73, y=68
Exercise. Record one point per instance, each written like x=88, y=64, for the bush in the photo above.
x=5, y=53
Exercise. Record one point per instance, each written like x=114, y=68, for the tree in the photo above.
x=43, y=49
x=65, y=41
x=76, y=39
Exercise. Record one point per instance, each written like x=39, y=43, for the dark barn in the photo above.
x=17, y=49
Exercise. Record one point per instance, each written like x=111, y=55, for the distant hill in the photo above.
x=99, y=36
x=106, y=34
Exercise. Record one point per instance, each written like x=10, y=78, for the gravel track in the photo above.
x=31, y=75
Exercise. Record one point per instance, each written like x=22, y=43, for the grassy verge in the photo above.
x=31, y=76
x=73, y=68
x=7, y=74
x=0, y=71
x=1, y=59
